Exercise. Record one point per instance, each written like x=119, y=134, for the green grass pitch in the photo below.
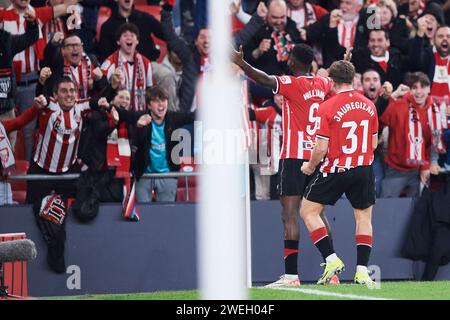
x=401, y=290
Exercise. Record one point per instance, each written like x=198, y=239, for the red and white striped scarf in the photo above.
x=138, y=85
x=441, y=86
x=416, y=144
x=283, y=45
x=414, y=15
x=304, y=16
x=346, y=32
x=118, y=151
x=437, y=120
x=81, y=78
x=118, y=155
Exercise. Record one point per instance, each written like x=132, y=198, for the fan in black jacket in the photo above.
x=381, y=57
x=325, y=31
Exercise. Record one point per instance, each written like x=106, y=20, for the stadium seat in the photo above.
x=182, y=196
x=187, y=165
x=19, y=187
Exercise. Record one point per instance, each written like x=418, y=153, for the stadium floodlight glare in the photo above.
x=221, y=223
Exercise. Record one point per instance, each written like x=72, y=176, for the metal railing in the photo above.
x=73, y=176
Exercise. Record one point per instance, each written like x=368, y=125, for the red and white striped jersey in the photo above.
x=138, y=76
x=27, y=60
x=59, y=134
x=348, y=121
x=302, y=98
x=51, y=27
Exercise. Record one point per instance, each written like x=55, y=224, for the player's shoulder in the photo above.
x=286, y=79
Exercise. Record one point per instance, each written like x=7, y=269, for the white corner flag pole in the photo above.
x=221, y=222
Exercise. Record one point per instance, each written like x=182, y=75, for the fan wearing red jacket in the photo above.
x=413, y=135
x=302, y=94
x=346, y=138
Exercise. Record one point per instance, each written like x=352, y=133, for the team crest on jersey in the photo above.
x=285, y=80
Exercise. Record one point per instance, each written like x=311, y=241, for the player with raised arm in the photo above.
x=303, y=94
x=346, y=137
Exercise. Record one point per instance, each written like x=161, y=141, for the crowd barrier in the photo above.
x=112, y=255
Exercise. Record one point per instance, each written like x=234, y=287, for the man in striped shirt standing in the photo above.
x=346, y=136
x=55, y=154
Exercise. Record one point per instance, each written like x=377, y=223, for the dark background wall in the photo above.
x=159, y=252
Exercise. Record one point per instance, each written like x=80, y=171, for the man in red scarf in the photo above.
x=66, y=58
x=434, y=61
x=136, y=68
x=409, y=119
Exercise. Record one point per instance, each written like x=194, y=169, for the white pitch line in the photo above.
x=331, y=294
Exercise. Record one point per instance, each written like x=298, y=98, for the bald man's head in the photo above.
x=277, y=15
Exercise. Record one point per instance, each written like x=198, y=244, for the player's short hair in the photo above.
x=127, y=27
x=342, y=72
x=60, y=81
x=417, y=77
x=155, y=92
x=303, y=53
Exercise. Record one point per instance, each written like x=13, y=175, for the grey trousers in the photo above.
x=395, y=181
x=165, y=189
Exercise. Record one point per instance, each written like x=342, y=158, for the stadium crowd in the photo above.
x=101, y=86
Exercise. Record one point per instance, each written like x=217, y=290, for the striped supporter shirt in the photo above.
x=59, y=135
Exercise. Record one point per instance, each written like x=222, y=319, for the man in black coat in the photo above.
x=339, y=30
x=269, y=48
x=125, y=13
x=381, y=57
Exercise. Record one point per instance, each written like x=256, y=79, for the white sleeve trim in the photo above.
x=278, y=86
x=322, y=137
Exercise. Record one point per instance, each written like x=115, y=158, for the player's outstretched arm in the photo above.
x=259, y=76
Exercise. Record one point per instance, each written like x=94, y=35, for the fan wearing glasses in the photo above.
x=66, y=58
